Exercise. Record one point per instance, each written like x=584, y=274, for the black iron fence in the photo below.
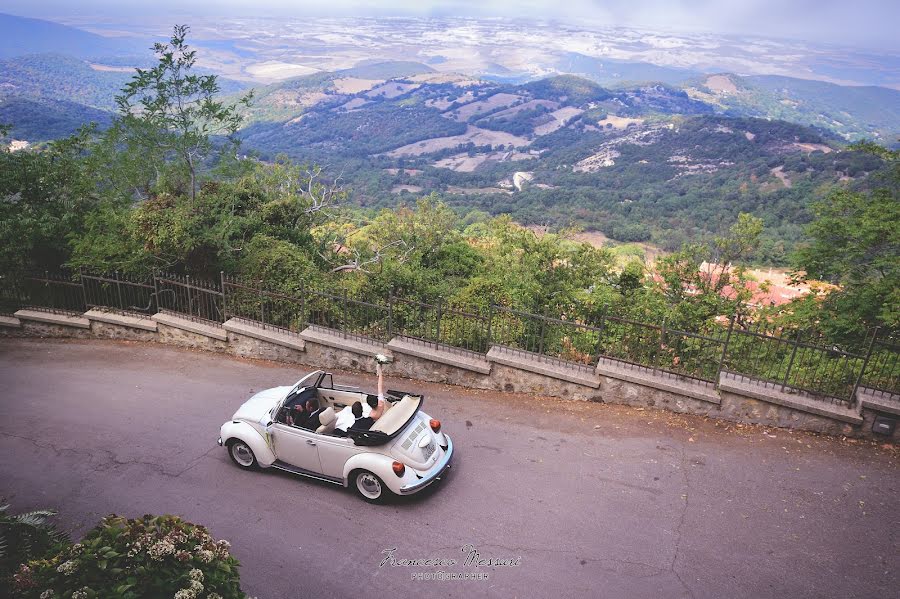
x=251, y=302
x=693, y=355
x=556, y=338
x=881, y=373
x=118, y=293
x=60, y=293
x=440, y=323
x=196, y=299
x=792, y=360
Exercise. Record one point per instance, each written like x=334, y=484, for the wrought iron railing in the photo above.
x=795, y=361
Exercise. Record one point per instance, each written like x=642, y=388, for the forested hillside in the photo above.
x=645, y=163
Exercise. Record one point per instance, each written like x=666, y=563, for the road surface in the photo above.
x=588, y=500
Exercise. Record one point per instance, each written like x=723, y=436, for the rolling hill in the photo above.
x=71, y=90
x=642, y=163
x=853, y=112
x=20, y=35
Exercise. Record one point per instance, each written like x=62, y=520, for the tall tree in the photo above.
x=169, y=113
x=854, y=242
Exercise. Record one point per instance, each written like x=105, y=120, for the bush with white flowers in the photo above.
x=153, y=556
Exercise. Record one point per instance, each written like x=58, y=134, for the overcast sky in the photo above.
x=869, y=23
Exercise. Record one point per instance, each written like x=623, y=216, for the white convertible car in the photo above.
x=403, y=452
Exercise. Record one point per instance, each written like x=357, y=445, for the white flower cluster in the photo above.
x=206, y=556
x=196, y=574
x=67, y=567
x=47, y=594
x=160, y=549
x=77, y=548
x=195, y=587
x=214, y=596
x=81, y=593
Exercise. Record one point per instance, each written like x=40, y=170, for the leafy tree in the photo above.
x=854, y=242
x=168, y=111
x=44, y=198
x=702, y=281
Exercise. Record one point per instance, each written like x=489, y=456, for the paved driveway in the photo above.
x=596, y=500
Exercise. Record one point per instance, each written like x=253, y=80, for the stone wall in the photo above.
x=740, y=408
x=191, y=340
x=435, y=372
x=617, y=391
x=45, y=329
x=105, y=330
x=633, y=388
x=506, y=378
x=248, y=347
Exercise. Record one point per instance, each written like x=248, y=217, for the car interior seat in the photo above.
x=328, y=419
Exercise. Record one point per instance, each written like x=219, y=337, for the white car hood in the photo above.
x=258, y=406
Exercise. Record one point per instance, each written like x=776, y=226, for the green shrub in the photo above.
x=25, y=537
x=153, y=556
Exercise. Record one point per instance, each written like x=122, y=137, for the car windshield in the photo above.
x=310, y=380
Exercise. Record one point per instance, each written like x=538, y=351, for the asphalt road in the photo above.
x=597, y=501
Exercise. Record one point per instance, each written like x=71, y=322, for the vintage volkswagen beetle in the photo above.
x=403, y=452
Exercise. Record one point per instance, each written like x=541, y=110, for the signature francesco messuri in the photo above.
x=472, y=558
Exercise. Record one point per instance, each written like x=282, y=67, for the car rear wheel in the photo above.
x=370, y=487
x=242, y=455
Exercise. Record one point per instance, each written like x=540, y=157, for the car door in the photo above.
x=296, y=447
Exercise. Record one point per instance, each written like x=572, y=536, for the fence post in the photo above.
x=344, y=320
x=438, y=323
x=725, y=349
x=490, y=319
x=303, y=319
x=543, y=328
x=224, y=297
x=865, y=364
x=50, y=290
x=83, y=288
x=119, y=291
x=262, y=305
x=600, y=328
x=791, y=361
x=155, y=291
x=390, y=319
x=662, y=335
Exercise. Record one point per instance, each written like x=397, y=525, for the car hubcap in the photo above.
x=242, y=454
x=368, y=485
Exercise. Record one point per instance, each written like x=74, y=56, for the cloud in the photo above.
x=862, y=22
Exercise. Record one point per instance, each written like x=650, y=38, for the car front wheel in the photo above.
x=242, y=455
x=370, y=487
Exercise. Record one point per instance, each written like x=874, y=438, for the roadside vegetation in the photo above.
x=151, y=556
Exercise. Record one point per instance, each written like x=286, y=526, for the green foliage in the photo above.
x=855, y=243
x=218, y=230
x=700, y=282
x=24, y=537
x=44, y=198
x=153, y=556
x=168, y=109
